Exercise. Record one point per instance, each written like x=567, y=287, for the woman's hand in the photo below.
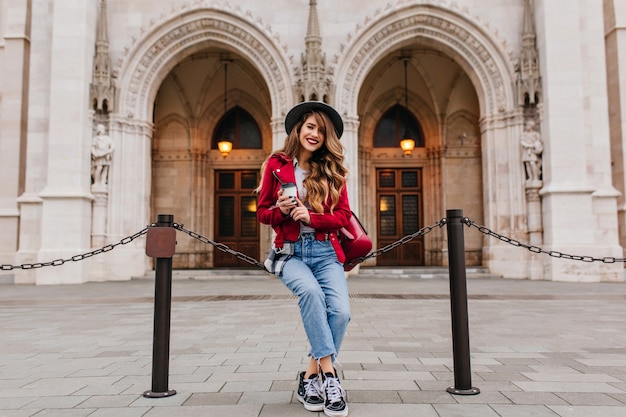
x=300, y=213
x=285, y=203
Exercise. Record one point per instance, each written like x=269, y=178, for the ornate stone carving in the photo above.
x=532, y=194
x=314, y=81
x=528, y=77
x=100, y=198
x=423, y=23
x=102, y=88
x=194, y=31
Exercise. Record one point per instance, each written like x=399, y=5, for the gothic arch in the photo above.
x=149, y=60
x=209, y=119
x=442, y=29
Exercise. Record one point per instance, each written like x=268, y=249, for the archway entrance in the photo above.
x=210, y=96
x=435, y=102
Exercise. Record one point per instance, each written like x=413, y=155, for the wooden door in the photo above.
x=236, y=225
x=399, y=213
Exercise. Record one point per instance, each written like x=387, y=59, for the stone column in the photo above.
x=13, y=116
x=578, y=200
x=503, y=194
x=535, y=231
x=615, y=29
x=350, y=142
x=367, y=198
x=66, y=207
x=98, y=226
x=99, y=272
x=436, y=243
x=37, y=141
x=128, y=211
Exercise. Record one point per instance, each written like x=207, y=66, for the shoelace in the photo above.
x=334, y=392
x=313, y=388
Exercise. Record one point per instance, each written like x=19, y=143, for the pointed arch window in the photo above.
x=393, y=125
x=240, y=128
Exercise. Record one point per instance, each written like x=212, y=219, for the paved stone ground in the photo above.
x=538, y=349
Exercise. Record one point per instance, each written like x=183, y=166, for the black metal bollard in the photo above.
x=458, y=303
x=161, y=244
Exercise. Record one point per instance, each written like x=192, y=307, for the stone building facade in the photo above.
x=111, y=112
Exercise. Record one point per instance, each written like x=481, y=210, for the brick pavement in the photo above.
x=538, y=349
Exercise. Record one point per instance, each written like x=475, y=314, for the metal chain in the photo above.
x=536, y=249
x=423, y=231
x=406, y=239
x=219, y=246
x=250, y=260
x=75, y=258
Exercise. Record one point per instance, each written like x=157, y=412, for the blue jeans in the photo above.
x=316, y=277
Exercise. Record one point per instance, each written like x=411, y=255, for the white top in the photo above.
x=301, y=174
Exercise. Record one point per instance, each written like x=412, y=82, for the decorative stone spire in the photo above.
x=102, y=88
x=313, y=84
x=529, y=79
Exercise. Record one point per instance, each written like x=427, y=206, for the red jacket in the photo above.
x=325, y=224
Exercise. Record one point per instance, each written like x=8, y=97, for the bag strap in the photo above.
x=359, y=222
x=344, y=233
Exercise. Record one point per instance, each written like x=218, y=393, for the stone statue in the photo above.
x=101, y=154
x=532, y=147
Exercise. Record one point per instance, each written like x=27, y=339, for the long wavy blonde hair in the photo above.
x=327, y=173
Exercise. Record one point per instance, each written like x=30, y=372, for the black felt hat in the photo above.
x=301, y=109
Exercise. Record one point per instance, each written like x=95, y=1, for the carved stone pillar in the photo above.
x=436, y=244
x=99, y=216
x=98, y=230
x=535, y=230
x=66, y=198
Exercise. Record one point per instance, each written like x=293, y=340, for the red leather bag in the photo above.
x=354, y=241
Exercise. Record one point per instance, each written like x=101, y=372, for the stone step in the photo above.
x=421, y=272
x=215, y=273
x=364, y=272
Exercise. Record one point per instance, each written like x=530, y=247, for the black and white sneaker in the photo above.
x=310, y=393
x=335, y=404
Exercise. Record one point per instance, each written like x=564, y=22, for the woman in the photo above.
x=306, y=254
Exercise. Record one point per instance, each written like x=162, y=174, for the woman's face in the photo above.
x=311, y=137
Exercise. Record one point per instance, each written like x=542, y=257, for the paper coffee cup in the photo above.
x=289, y=189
